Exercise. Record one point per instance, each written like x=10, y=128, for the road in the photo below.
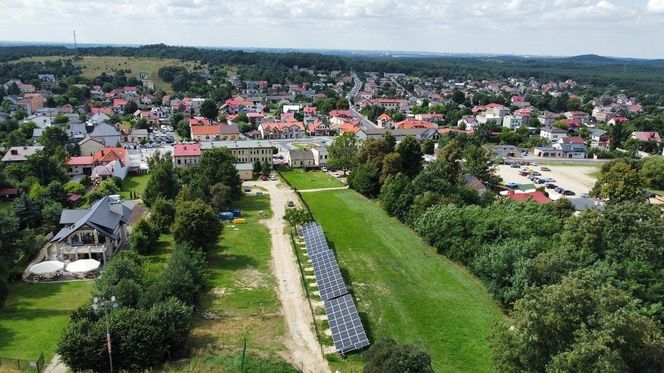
x=304, y=351
x=365, y=123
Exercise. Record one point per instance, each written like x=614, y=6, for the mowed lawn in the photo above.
x=135, y=183
x=301, y=179
x=403, y=287
x=34, y=316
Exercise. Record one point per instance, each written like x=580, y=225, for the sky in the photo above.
x=625, y=28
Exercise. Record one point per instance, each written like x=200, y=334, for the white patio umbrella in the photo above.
x=48, y=266
x=83, y=266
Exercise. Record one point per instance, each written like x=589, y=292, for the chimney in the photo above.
x=14, y=152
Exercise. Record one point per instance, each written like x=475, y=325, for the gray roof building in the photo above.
x=104, y=215
x=20, y=153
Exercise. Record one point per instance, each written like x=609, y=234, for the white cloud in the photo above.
x=655, y=6
x=503, y=26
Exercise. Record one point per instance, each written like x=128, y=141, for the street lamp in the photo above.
x=106, y=305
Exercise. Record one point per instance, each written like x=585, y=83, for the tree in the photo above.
x=196, y=225
x=458, y=97
x=652, y=172
x=216, y=166
x=162, y=214
x=480, y=163
x=410, y=153
x=183, y=278
x=581, y=324
x=163, y=182
x=386, y=356
x=53, y=137
x=209, y=109
x=9, y=228
x=220, y=197
x=392, y=165
x=181, y=82
x=297, y=217
x=50, y=213
x=396, y=196
x=27, y=211
x=130, y=108
x=620, y=183
x=343, y=151
x=365, y=180
x=144, y=236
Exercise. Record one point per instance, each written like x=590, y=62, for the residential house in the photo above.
x=321, y=156
x=647, y=136
x=385, y=121
x=81, y=165
x=599, y=138
x=205, y=132
x=512, y=122
x=17, y=154
x=90, y=146
x=318, y=128
x=229, y=132
x=546, y=118
x=580, y=116
x=106, y=134
x=186, y=155
x=475, y=184
x=95, y=233
x=552, y=133
x=133, y=136
x=468, y=122
x=301, y=158
x=414, y=123
x=281, y=130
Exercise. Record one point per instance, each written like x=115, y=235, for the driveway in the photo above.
x=304, y=349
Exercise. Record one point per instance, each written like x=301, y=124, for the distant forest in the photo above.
x=637, y=77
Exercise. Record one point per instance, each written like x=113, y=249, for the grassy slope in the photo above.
x=134, y=183
x=35, y=314
x=309, y=180
x=240, y=267
x=95, y=65
x=403, y=288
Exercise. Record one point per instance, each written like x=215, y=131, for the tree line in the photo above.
x=582, y=291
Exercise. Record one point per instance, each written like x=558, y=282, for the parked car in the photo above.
x=523, y=173
x=585, y=195
x=514, y=165
x=512, y=185
x=264, y=178
x=246, y=189
x=534, y=164
x=550, y=186
x=550, y=180
x=536, y=173
x=569, y=193
x=324, y=169
x=545, y=169
x=559, y=189
x=290, y=204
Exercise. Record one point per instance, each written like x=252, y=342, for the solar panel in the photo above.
x=314, y=239
x=328, y=276
x=347, y=331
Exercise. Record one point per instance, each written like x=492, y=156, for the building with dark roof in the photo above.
x=94, y=233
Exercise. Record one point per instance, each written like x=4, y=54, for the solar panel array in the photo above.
x=347, y=331
x=328, y=276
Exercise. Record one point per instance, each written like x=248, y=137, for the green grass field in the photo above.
x=34, y=315
x=301, y=179
x=241, y=290
x=403, y=288
x=135, y=183
x=93, y=66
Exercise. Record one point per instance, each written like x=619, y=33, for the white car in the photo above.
x=324, y=169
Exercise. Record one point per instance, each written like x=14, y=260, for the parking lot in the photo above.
x=578, y=179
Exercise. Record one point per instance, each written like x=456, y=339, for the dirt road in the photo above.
x=303, y=346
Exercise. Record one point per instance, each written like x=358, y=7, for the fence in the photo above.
x=8, y=364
